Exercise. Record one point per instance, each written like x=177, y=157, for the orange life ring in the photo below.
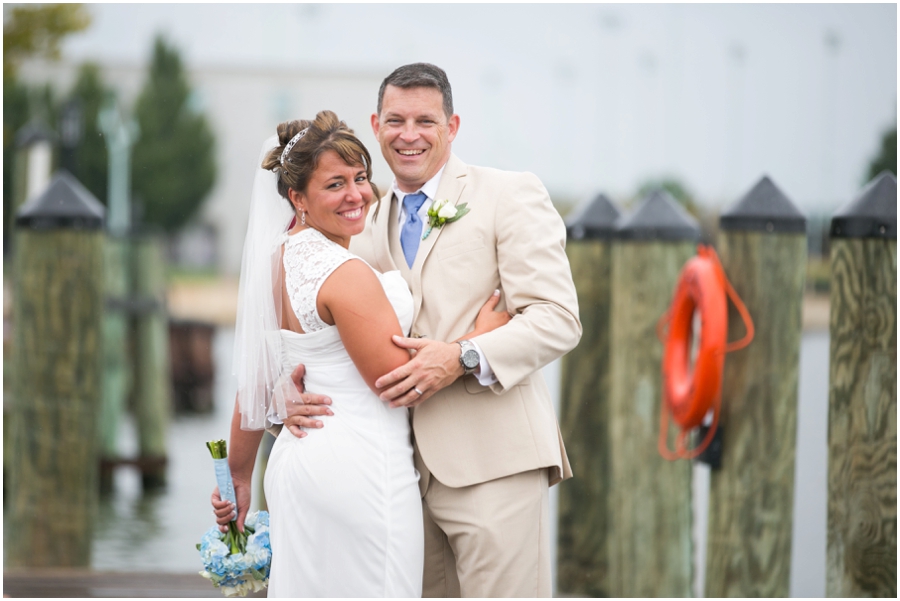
x=691, y=389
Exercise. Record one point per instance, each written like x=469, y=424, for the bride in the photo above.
x=346, y=514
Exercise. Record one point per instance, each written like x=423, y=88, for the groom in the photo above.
x=487, y=442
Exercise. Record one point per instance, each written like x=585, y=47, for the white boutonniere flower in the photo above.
x=442, y=212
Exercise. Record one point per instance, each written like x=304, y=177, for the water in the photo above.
x=157, y=533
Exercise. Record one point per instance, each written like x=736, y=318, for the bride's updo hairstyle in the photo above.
x=326, y=132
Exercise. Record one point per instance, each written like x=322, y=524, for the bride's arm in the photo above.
x=352, y=299
x=487, y=319
x=242, y=450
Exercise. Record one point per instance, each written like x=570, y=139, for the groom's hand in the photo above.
x=301, y=415
x=434, y=366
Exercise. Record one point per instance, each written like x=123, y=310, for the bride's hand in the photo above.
x=489, y=320
x=224, y=510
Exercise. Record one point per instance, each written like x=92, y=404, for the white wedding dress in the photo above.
x=346, y=514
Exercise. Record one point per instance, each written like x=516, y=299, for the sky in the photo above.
x=589, y=97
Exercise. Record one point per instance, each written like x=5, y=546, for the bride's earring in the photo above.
x=303, y=218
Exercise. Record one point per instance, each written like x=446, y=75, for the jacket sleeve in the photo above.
x=536, y=283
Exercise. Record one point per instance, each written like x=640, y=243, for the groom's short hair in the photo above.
x=419, y=75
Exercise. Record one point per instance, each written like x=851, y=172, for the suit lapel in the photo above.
x=451, y=186
x=382, y=229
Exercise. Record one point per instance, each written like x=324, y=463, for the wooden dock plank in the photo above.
x=88, y=584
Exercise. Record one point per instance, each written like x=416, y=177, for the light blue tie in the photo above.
x=411, y=233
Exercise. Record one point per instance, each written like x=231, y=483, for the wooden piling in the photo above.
x=57, y=373
x=649, y=539
x=151, y=371
x=582, y=560
x=762, y=247
x=862, y=411
x=117, y=366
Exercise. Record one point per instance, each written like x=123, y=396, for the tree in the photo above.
x=37, y=30
x=30, y=31
x=91, y=161
x=887, y=155
x=174, y=165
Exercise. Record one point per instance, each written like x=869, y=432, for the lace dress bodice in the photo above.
x=309, y=258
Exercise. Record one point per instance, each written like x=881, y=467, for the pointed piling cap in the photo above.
x=873, y=214
x=764, y=208
x=595, y=218
x=65, y=203
x=33, y=132
x=659, y=217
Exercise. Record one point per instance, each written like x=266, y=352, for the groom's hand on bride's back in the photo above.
x=302, y=415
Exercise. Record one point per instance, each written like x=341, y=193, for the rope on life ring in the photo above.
x=691, y=391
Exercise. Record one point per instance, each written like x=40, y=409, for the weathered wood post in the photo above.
x=862, y=411
x=118, y=366
x=582, y=562
x=152, y=378
x=31, y=171
x=762, y=246
x=58, y=309
x=650, y=550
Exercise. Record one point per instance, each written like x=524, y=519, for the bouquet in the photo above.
x=237, y=562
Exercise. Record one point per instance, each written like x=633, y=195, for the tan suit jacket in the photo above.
x=512, y=239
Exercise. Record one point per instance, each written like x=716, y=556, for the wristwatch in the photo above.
x=468, y=356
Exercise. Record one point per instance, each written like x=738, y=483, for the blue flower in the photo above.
x=242, y=572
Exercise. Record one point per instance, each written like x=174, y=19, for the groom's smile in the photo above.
x=414, y=134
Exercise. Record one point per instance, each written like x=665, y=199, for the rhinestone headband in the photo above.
x=290, y=145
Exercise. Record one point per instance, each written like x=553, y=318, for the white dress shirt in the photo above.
x=485, y=374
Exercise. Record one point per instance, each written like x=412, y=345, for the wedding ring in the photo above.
x=419, y=392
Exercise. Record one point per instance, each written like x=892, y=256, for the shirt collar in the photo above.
x=430, y=187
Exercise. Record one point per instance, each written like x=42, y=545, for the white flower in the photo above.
x=447, y=211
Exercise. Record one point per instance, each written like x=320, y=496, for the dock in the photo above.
x=62, y=582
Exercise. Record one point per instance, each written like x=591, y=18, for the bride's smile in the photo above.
x=336, y=200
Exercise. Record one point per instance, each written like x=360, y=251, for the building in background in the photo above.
x=244, y=105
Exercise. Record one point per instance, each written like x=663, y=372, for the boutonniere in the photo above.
x=442, y=212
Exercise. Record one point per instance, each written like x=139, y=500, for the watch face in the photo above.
x=470, y=359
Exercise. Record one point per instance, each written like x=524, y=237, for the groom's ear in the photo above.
x=375, y=124
x=453, y=126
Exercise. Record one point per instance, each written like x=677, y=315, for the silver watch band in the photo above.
x=467, y=349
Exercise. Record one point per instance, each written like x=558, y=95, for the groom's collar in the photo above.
x=429, y=188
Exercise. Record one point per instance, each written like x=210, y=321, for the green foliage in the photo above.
x=30, y=31
x=15, y=115
x=91, y=162
x=36, y=30
x=887, y=155
x=173, y=161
